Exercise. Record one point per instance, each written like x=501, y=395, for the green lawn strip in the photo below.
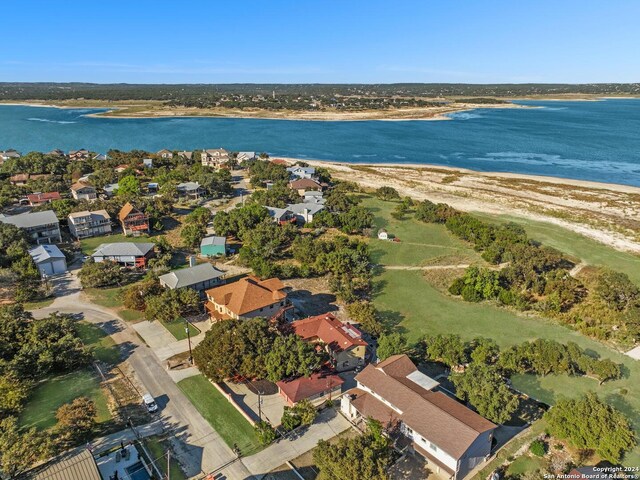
x=99, y=342
x=106, y=297
x=132, y=316
x=50, y=394
x=576, y=245
x=177, y=329
x=419, y=241
x=157, y=448
x=525, y=464
x=420, y=309
x=89, y=245
x=39, y=304
x=223, y=417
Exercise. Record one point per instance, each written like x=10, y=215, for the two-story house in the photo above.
x=298, y=172
x=216, y=157
x=87, y=224
x=40, y=227
x=82, y=154
x=305, y=185
x=198, y=278
x=83, y=191
x=343, y=342
x=191, y=190
x=452, y=438
x=133, y=221
x=164, y=153
x=247, y=298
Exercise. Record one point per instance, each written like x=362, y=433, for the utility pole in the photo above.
x=168, y=464
x=186, y=329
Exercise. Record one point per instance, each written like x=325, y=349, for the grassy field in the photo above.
x=406, y=298
x=112, y=298
x=223, y=417
x=420, y=242
x=49, y=395
x=89, y=245
x=157, y=448
x=524, y=464
x=39, y=304
x=576, y=245
x=101, y=345
x=177, y=329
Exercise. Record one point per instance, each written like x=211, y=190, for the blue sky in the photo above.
x=328, y=41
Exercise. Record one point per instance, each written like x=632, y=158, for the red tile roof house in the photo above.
x=133, y=221
x=36, y=199
x=249, y=297
x=452, y=438
x=343, y=342
x=316, y=388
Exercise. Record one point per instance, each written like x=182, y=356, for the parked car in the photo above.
x=150, y=403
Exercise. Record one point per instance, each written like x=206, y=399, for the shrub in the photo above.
x=538, y=448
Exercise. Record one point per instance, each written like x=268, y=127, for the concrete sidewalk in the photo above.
x=328, y=424
x=125, y=436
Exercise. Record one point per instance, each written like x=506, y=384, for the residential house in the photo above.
x=281, y=215
x=37, y=199
x=279, y=161
x=164, y=153
x=110, y=189
x=298, y=172
x=81, y=154
x=87, y=224
x=127, y=254
x=315, y=388
x=56, y=153
x=245, y=156
x=40, y=227
x=304, y=185
x=147, y=162
x=186, y=155
x=100, y=156
x=9, y=154
x=247, y=298
x=49, y=260
x=75, y=464
x=304, y=212
x=452, y=438
x=342, y=341
x=83, y=191
x=199, y=278
x=23, y=178
x=313, y=196
x=122, y=167
x=213, y=246
x=191, y=190
x=217, y=157
x=133, y=221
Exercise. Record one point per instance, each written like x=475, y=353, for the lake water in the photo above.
x=597, y=141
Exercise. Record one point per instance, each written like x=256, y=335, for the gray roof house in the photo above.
x=41, y=227
x=190, y=189
x=110, y=189
x=199, y=278
x=301, y=172
x=128, y=254
x=49, y=259
x=304, y=212
x=280, y=215
x=245, y=156
x=8, y=154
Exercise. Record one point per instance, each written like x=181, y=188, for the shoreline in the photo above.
x=605, y=212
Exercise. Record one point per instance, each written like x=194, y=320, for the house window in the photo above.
x=261, y=309
x=408, y=430
x=433, y=447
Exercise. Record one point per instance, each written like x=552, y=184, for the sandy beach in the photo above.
x=608, y=213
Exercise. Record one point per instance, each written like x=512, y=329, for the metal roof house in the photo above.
x=41, y=227
x=76, y=464
x=49, y=260
x=127, y=254
x=304, y=212
x=198, y=278
x=213, y=246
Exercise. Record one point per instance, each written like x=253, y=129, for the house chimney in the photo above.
x=192, y=260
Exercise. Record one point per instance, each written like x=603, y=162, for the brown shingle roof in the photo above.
x=304, y=183
x=438, y=418
x=127, y=210
x=330, y=330
x=305, y=387
x=248, y=294
x=79, y=186
x=43, y=197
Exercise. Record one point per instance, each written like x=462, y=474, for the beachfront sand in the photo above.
x=608, y=213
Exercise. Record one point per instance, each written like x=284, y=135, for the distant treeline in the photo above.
x=299, y=96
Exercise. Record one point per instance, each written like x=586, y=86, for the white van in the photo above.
x=150, y=403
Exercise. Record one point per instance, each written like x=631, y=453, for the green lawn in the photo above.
x=49, y=395
x=112, y=298
x=420, y=242
x=574, y=244
x=157, y=448
x=39, y=304
x=223, y=417
x=177, y=329
x=101, y=345
x=525, y=464
x=89, y=245
x=406, y=298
